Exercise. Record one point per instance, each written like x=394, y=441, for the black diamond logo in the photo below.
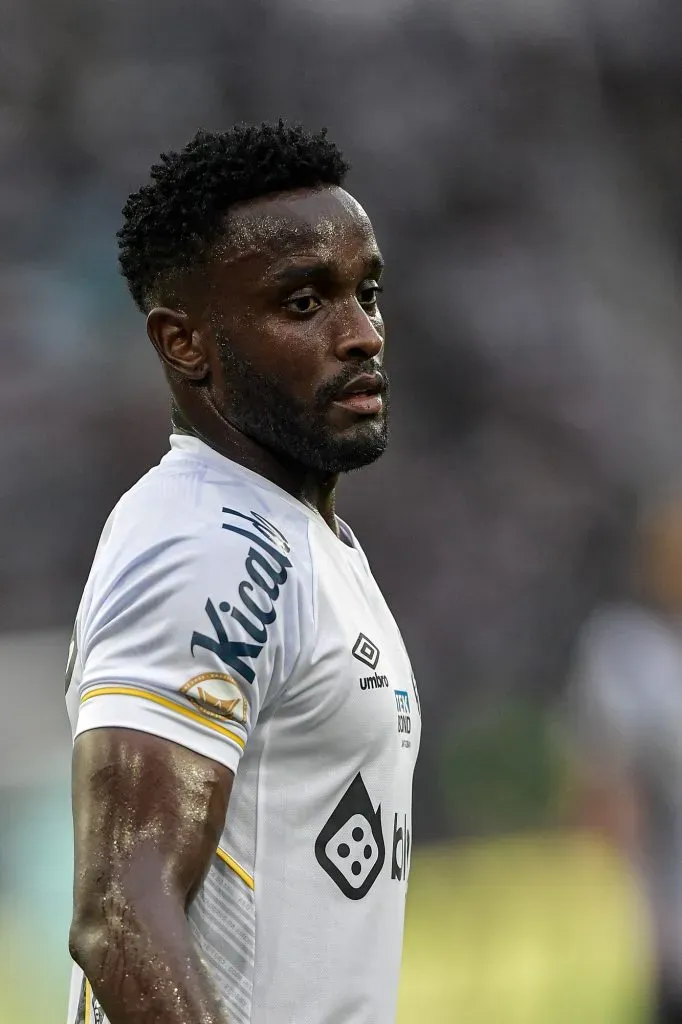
x=350, y=847
x=365, y=651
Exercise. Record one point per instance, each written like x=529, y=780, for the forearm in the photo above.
x=144, y=968
x=148, y=815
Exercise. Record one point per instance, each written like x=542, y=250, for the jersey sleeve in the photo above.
x=190, y=638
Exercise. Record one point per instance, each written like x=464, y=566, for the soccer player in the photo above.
x=244, y=712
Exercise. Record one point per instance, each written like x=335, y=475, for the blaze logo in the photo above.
x=350, y=847
x=400, y=859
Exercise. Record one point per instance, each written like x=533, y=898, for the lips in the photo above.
x=365, y=384
x=363, y=395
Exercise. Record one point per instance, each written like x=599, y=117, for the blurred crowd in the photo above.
x=521, y=163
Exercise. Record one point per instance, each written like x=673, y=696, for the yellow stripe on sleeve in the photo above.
x=237, y=868
x=155, y=698
x=87, y=1011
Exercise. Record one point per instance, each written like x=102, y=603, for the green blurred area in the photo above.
x=502, y=769
x=523, y=931
x=506, y=931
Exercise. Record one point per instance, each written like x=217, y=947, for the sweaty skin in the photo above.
x=294, y=292
x=147, y=819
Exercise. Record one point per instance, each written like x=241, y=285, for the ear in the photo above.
x=181, y=347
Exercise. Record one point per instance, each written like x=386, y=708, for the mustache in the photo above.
x=330, y=389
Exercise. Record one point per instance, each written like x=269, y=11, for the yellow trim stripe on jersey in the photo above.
x=87, y=1009
x=237, y=868
x=133, y=691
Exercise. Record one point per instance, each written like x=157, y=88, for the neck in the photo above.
x=308, y=487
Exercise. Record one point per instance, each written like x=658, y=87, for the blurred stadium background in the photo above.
x=521, y=160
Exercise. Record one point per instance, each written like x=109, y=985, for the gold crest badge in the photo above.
x=218, y=695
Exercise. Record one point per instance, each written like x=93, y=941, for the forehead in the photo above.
x=327, y=224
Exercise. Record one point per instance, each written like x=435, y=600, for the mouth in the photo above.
x=363, y=395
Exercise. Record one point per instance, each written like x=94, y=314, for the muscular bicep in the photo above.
x=148, y=815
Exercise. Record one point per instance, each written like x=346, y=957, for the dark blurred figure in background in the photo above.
x=625, y=723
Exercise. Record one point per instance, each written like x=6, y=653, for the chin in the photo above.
x=320, y=448
x=344, y=454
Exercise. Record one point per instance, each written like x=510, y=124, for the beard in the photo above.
x=261, y=407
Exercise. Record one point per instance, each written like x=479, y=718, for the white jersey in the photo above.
x=223, y=614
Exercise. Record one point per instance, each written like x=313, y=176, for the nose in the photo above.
x=359, y=338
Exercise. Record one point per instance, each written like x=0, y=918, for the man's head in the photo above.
x=259, y=276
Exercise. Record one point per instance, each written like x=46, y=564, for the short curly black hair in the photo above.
x=170, y=225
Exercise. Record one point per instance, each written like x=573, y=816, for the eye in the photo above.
x=303, y=304
x=367, y=296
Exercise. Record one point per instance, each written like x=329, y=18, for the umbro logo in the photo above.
x=365, y=651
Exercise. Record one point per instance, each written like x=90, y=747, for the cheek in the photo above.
x=301, y=366
x=294, y=353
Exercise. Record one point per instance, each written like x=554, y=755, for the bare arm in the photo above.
x=148, y=815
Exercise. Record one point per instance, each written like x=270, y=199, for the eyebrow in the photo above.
x=314, y=273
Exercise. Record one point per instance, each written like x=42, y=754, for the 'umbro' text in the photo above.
x=375, y=682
